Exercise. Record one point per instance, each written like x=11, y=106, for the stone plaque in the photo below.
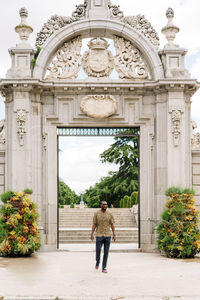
x=98, y=106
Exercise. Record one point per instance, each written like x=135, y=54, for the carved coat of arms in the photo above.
x=98, y=61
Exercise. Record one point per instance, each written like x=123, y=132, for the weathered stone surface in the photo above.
x=99, y=106
x=98, y=61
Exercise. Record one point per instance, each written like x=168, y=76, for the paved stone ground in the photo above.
x=69, y=275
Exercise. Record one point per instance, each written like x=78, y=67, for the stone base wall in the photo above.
x=196, y=175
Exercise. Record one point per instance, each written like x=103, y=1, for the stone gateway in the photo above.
x=98, y=68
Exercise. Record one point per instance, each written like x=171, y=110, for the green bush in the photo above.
x=28, y=191
x=178, y=233
x=134, y=198
x=5, y=197
x=18, y=225
x=72, y=205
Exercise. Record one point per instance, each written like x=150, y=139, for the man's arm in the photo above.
x=92, y=233
x=113, y=230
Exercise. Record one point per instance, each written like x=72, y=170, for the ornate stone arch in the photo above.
x=105, y=28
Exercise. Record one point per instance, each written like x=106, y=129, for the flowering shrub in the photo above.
x=18, y=227
x=178, y=233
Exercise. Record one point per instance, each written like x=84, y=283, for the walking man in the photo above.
x=102, y=221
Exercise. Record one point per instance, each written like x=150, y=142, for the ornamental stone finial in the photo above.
x=170, y=30
x=23, y=29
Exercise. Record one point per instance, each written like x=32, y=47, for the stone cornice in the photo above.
x=92, y=86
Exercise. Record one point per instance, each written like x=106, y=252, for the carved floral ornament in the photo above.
x=176, y=126
x=98, y=106
x=138, y=22
x=67, y=62
x=98, y=61
x=21, y=121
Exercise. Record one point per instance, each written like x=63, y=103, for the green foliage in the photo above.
x=129, y=201
x=72, y=205
x=112, y=188
x=18, y=225
x=173, y=190
x=6, y=196
x=28, y=191
x=178, y=232
x=66, y=196
x=134, y=198
x=38, y=49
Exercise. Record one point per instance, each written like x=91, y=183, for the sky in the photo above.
x=186, y=18
x=79, y=161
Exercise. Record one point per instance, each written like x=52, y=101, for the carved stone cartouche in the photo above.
x=98, y=61
x=98, y=106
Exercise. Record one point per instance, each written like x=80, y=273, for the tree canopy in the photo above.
x=112, y=188
x=66, y=195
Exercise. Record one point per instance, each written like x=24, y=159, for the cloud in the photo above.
x=80, y=165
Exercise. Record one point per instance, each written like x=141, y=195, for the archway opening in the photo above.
x=96, y=164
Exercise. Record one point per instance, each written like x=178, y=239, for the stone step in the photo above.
x=82, y=235
x=73, y=217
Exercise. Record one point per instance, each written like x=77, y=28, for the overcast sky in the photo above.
x=187, y=18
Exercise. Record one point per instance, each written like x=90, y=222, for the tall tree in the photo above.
x=66, y=195
x=123, y=152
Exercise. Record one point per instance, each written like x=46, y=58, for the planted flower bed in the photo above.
x=178, y=232
x=18, y=224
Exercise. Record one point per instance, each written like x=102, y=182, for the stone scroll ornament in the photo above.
x=176, y=129
x=144, y=26
x=128, y=61
x=56, y=22
x=98, y=61
x=67, y=62
x=98, y=106
x=21, y=121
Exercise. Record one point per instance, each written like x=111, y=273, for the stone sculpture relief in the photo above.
x=128, y=61
x=80, y=11
x=141, y=24
x=115, y=11
x=2, y=132
x=21, y=120
x=98, y=61
x=67, y=62
x=56, y=22
x=195, y=137
x=176, y=129
x=98, y=106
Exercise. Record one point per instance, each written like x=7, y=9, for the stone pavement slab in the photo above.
x=64, y=275
x=90, y=247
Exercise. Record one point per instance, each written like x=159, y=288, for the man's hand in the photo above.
x=92, y=233
x=113, y=230
x=114, y=237
x=92, y=237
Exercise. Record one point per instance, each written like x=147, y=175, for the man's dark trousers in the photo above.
x=102, y=240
